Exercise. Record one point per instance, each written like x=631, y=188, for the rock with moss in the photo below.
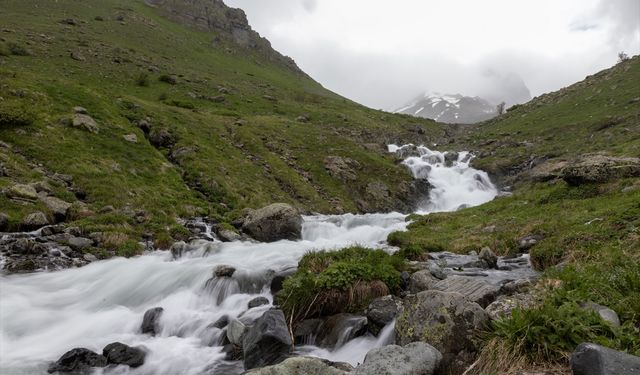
x=446, y=320
x=57, y=206
x=304, y=365
x=34, y=221
x=275, y=222
x=595, y=168
x=421, y=281
x=414, y=358
x=21, y=191
x=84, y=122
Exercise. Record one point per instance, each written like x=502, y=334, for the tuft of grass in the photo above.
x=129, y=248
x=13, y=114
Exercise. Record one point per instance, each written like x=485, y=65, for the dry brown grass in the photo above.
x=114, y=240
x=334, y=301
x=498, y=357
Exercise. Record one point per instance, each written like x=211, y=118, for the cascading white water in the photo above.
x=43, y=315
x=455, y=184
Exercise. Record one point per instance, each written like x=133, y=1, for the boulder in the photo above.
x=227, y=235
x=57, y=206
x=306, y=331
x=595, y=168
x=272, y=223
x=34, y=221
x=224, y=271
x=79, y=243
x=592, y=359
x=222, y=322
x=84, y=122
x=605, y=313
x=161, y=138
x=303, y=365
x=446, y=320
x=258, y=301
x=130, y=138
x=77, y=360
x=150, y=321
x=267, y=342
x=337, y=329
x=20, y=191
x=120, y=354
x=236, y=331
x=473, y=288
x=487, y=256
x=414, y=358
x=382, y=311
x=503, y=306
x=421, y=281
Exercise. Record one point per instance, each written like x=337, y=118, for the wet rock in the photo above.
x=272, y=223
x=267, y=342
x=414, y=358
x=77, y=360
x=527, y=242
x=75, y=55
x=178, y=249
x=422, y=280
x=222, y=322
x=150, y=321
x=474, y=289
x=596, y=168
x=306, y=331
x=487, y=256
x=448, y=321
x=605, y=313
x=303, y=365
x=592, y=359
x=84, y=122
x=516, y=286
x=34, y=221
x=405, y=279
x=79, y=243
x=236, y=331
x=381, y=311
x=337, y=329
x=20, y=191
x=120, y=354
x=279, y=278
x=258, y=301
x=227, y=235
x=224, y=271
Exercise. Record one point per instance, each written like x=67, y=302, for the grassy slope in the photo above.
x=270, y=157
x=595, y=228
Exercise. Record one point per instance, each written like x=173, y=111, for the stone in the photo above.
x=592, y=359
x=80, y=110
x=77, y=56
x=222, y=322
x=446, y=320
x=79, y=243
x=21, y=191
x=303, y=365
x=77, y=360
x=474, y=289
x=150, y=321
x=306, y=331
x=258, y=301
x=130, y=138
x=303, y=118
x=503, y=306
x=488, y=257
x=267, y=342
x=84, y=122
x=236, y=331
x=421, y=281
x=161, y=138
x=120, y=354
x=224, y=271
x=597, y=168
x=4, y=222
x=90, y=257
x=272, y=223
x=527, y=242
x=227, y=235
x=34, y=221
x=605, y=313
x=178, y=249
x=57, y=206
x=337, y=329
x=381, y=311
x=414, y=358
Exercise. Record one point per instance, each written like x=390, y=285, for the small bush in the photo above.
x=142, y=80
x=12, y=114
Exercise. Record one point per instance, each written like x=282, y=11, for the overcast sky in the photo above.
x=383, y=53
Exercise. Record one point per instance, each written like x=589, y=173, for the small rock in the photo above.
x=303, y=366
x=77, y=56
x=144, y=126
x=121, y=354
x=130, y=138
x=528, y=242
x=258, y=301
x=106, y=209
x=222, y=322
x=303, y=118
x=22, y=192
x=381, y=311
x=90, y=257
x=84, y=122
x=489, y=257
x=270, y=98
x=79, y=243
x=57, y=206
x=414, y=358
x=70, y=21
x=224, y=271
x=592, y=359
x=78, y=360
x=150, y=321
x=605, y=313
x=227, y=235
x=34, y=221
x=80, y=110
x=274, y=222
x=421, y=280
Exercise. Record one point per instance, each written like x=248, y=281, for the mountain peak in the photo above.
x=449, y=108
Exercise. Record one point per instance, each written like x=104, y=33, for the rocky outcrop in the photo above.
x=303, y=365
x=34, y=221
x=593, y=168
x=272, y=223
x=474, y=289
x=592, y=359
x=78, y=360
x=448, y=321
x=414, y=358
x=341, y=168
x=267, y=342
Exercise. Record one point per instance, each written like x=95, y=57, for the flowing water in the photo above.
x=45, y=314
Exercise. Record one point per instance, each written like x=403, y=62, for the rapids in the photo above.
x=45, y=314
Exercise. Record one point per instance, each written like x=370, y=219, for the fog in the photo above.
x=383, y=53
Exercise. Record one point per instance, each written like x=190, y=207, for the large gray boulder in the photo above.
x=592, y=168
x=78, y=360
x=446, y=320
x=20, y=191
x=34, y=221
x=592, y=359
x=421, y=281
x=303, y=365
x=417, y=358
x=382, y=311
x=267, y=342
x=475, y=289
x=272, y=223
x=57, y=206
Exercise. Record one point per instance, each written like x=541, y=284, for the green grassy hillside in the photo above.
x=229, y=127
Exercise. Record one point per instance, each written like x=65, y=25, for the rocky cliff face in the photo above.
x=225, y=23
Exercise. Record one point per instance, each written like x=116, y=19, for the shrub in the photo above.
x=341, y=281
x=13, y=114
